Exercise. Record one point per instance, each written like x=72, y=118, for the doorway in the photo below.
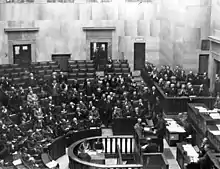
x=22, y=54
x=139, y=56
x=203, y=63
x=99, y=54
x=62, y=60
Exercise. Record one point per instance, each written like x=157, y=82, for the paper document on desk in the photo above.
x=218, y=126
x=92, y=153
x=190, y=150
x=52, y=164
x=215, y=115
x=216, y=132
x=17, y=162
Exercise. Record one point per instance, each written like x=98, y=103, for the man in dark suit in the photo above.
x=160, y=129
x=55, y=92
x=62, y=78
x=108, y=111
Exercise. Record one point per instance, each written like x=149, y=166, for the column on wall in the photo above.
x=214, y=57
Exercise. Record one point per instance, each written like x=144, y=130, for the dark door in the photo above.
x=22, y=54
x=99, y=53
x=139, y=56
x=62, y=59
x=203, y=63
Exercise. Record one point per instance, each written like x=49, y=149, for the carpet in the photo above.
x=168, y=154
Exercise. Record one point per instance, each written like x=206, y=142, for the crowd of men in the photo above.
x=59, y=108
x=177, y=83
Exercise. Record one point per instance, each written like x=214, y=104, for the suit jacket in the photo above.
x=55, y=89
x=160, y=128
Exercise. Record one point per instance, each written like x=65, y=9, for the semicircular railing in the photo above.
x=126, y=146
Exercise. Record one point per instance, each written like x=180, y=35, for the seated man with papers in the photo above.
x=98, y=145
x=84, y=148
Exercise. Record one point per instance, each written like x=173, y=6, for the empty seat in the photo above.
x=90, y=65
x=47, y=77
x=125, y=70
x=74, y=70
x=44, y=63
x=54, y=66
x=14, y=65
x=117, y=70
x=89, y=61
x=52, y=63
x=41, y=72
x=35, y=63
x=83, y=70
x=9, y=70
x=81, y=80
x=74, y=66
x=70, y=81
x=82, y=65
x=46, y=66
x=16, y=80
x=49, y=71
x=90, y=70
x=38, y=67
x=72, y=62
x=125, y=74
x=90, y=75
x=14, y=74
x=80, y=61
x=5, y=66
x=81, y=75
x=72, y=75
x=123, y=61
x=116, y=65
x=124, y=65
x=17, y=69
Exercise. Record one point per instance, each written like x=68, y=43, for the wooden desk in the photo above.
x=175, y=105
x=182, y=157
x=97, y=158
x=199, y=119
x=123, y=126
x=174, y=132
x=213, y=135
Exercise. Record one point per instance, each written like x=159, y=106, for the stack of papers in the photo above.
x=191, y=152
x=52, y=164
x=218, y=125
x=216, y=132
x=17, y=162
x=174, y=127
x=215, y=115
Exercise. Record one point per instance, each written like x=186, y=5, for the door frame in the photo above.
x=142, y=42
x=98, y=40
x=20, y=46
x=22, y=42
x=199, y=68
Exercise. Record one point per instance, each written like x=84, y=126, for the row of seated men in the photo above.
x=204, y=161
x=177, y=83
x=57, y=110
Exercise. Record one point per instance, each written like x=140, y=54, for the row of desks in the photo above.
x=206, y=123
x=186, y=154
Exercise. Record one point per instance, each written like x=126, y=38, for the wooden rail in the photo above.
x=110, y=146
x=175, y=105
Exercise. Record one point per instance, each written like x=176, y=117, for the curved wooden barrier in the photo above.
x=110, y=146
